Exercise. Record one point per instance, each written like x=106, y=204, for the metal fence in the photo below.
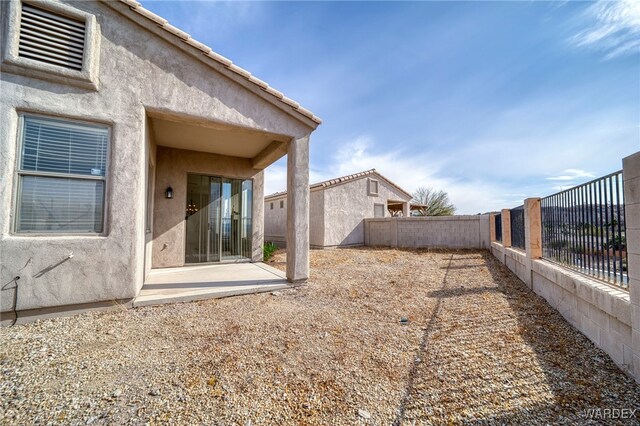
x=517, y=228
x=498, y=226
x=584, y=228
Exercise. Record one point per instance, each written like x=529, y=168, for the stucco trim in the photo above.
x=87, y=78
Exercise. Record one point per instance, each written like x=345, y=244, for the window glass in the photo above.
x=60, y=147
x=51, y=204
x=61, y=178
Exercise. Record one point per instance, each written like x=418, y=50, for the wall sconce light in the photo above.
x=169, y=193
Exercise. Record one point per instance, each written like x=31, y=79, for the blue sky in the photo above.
x=491, y=101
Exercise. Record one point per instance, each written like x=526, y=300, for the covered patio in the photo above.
x=205, y=208
x=211, y=281
x=399, y=208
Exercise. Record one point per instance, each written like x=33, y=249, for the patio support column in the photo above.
x=406, y=210
x=631, y=177
x=298, y=210
x=506, y=228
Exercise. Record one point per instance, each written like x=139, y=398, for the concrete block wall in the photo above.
x=429, y=232
x=598, y=310
x=606, y=314
x=631, y=178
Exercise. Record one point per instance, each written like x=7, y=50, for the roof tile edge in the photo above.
x=342, y=179
x=208, y=51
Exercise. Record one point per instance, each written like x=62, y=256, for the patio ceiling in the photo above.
x=397, y=205
x=190, y=134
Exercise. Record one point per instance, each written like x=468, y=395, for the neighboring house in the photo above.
x=338, y=208
x=126, y=145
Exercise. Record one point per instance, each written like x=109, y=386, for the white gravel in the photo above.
x=477, y=347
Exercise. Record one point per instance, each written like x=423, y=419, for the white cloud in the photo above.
x=533, y=149
x=408, y=171
x=528, y=150
x=613, y=26
x=572, y=174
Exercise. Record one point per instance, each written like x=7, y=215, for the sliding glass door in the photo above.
x=218, y=219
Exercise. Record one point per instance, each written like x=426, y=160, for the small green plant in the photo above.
x=268, y=250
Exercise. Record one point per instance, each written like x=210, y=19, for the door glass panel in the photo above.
x=218, y=219
x=214, y=219
x=226, y=219
x=246, y=225
x=196, y=218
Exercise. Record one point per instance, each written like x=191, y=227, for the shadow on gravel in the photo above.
x=583, y=379
x=519, y=361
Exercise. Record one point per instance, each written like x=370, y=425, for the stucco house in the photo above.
x=127, y=146
x=338, y=208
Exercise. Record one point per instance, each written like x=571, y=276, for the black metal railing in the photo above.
x=498, y=226
x=584, y=229
x=517, y=228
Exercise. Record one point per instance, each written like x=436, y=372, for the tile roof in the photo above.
x=342, y=179
x=206, y=50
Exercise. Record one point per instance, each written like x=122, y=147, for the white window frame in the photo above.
x=370, y=187
x=383, y=210
x=87, y=77
x=19, y=173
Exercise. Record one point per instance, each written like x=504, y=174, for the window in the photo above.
x=271, y=206
x=61, y=176
x=378, y=210
x=51, y=38
x=281, y=204
x=373, y=187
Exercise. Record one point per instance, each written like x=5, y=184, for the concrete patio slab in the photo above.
x=201, y=282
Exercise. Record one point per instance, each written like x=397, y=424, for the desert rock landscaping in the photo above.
x=376, y=337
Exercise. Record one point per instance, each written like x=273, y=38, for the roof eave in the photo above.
x=342, y=180
x=161, y=27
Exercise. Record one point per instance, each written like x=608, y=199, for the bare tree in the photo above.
x=434, y=203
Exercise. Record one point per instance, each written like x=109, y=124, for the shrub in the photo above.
x=268, y=250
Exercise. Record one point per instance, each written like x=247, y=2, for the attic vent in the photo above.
x=51, y=38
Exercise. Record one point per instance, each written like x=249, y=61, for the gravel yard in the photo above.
x=477, y=346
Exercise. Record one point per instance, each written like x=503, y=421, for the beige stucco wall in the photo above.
x=347, y=205
x=316, y=219
x=336, y=214
x=173, y=165
x=275, y=220
x=138, y=72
